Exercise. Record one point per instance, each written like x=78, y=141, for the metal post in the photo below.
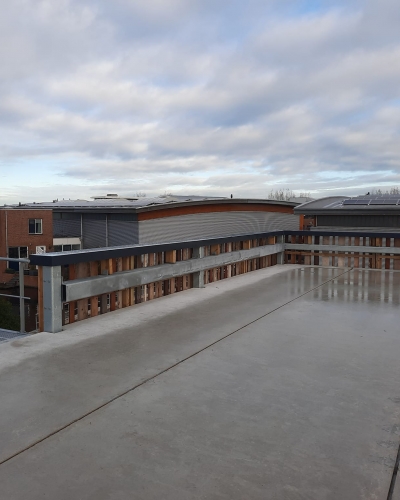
x=198, y=278
x=21, y=297
x=281, y=254
x=52, y=301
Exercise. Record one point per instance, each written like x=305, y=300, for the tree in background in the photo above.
x=379, y=192
x=8, y=319
x=285, y=194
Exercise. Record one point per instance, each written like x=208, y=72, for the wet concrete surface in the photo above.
x=301, y=399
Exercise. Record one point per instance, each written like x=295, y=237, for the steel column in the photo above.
x=281, y=255
x=21, y=297
x=198, y=278
x=52, y=301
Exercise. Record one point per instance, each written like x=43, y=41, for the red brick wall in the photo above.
x=18, y=233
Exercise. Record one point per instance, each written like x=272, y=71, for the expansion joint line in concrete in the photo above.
x=131, y=389
x=394, y=475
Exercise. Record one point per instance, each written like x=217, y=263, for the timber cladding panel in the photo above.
x=84, y=306
x=212, y=208
x=214, y=225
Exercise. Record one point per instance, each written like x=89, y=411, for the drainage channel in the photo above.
x=131, y=389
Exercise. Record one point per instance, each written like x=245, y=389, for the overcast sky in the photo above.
x=205, y=97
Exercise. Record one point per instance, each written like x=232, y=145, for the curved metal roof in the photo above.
x=365, y=204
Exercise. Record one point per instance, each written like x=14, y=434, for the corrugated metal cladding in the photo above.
x=94, y=232
x=213, y=225
x=66, y=225
x=359, y=221
x=122, y=229
x=122, y=232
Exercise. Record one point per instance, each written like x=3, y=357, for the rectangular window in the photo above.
x=23, y=252
x=66, y=248
x=17, y=253
x=35, y=226
x=13, y=252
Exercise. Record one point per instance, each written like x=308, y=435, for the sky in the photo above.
x=208, y=97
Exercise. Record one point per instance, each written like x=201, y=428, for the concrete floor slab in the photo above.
x=299, y=400
x=51, y=379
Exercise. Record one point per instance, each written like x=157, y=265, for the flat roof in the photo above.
x=281, y=383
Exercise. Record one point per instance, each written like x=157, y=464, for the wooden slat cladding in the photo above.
x=92, y=306
x=339, y=258
x=322, y=253
x=205, y=209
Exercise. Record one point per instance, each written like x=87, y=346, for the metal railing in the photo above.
x=21, y=296
x=95, y=281
x=365, y=250
x=85, y=281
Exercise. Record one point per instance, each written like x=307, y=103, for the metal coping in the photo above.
x=148, y=205
x=356, y=234
x=92, y=254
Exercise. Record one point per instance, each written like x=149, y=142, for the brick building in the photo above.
x=115, y=221
x=24, y=232
x=66, y=225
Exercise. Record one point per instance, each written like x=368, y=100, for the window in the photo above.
x=17, y=253
x=35, y=226
x=66, y=248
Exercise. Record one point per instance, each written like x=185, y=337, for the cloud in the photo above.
x=198, y=96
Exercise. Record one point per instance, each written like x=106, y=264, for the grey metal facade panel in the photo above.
x=212, y=225
x=66, y=228
x=122, y=233
x=359, y=221
x=368, y=230
x=94, y=233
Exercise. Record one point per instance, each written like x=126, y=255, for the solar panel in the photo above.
x=363, y=202
x=349, y=202
x=384, y=202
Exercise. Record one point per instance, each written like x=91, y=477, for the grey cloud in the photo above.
x=257, y=94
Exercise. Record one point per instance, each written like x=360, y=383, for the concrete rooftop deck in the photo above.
x=278, y=384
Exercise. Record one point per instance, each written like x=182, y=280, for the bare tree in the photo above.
x=287, y=195
x=281, y=194
x=379, y=192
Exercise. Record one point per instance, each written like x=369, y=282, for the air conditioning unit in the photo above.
x=40, y=249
